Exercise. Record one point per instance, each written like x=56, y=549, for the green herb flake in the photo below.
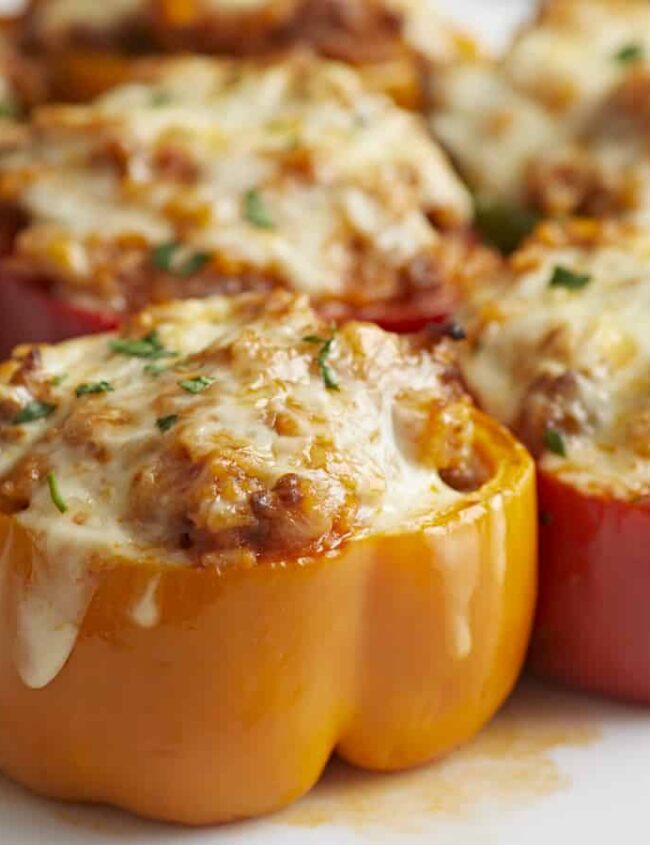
x=93, y=387
x=330, y=380
x=630, y=53
x=165, y=423
x=57, y=380
x=155, y=369
x=554, y=442
x=503, y=225
x=161, y=98
x=193, y=264
x=34, y=411
x=8, y=111
x=149, y=346
x=196, y=385
x=564, y=278
x=168, y=258
x=55, y=493
x=163, y=255
x=255, y=212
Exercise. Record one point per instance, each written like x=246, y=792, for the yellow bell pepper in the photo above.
x=390, y=651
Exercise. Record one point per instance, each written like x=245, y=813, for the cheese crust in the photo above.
x=228, y=431
x=201, y=178
x=563, y=114
x=560, y=351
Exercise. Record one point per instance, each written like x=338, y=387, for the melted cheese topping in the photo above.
x=561, y=123
x=492, y=131
x=287, y=173
x=250, y=433
x=573, y=360
x=244, y=387
x=568, y=59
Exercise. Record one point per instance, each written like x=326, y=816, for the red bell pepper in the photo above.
x=593, y=618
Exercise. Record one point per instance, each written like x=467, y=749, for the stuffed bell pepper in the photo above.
x=557, y=126
x=201, y=180
x=560, y=351
x=234, y=541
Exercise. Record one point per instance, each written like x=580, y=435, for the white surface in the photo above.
x=554, y=767
x=8, y=7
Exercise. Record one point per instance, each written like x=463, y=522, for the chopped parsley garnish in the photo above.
x=554, y=442
x=503, y=225
x=165, y=423
x=8, y=111
x=162, y=255
x=194, y=263
x=630, y=53
x=328, y=376
x=93, y=387
x=34, y=411
x=58, y=380
x=171, y=258
x=564, y=278
x=155, y=369
x=55, y=493
x=255, y=211
x=149, y=346
x=196, y=385
x=161, y=98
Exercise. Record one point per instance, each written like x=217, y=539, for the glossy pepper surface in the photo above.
x=391, y=651
x=592, y=625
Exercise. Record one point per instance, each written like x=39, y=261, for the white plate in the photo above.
x=554, y=767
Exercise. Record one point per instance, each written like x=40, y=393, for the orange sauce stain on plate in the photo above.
x=509, y=764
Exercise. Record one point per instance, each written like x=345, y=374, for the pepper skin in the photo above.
x=29, y=314
x=592, y=626
x=409, y=316
x=391, y=651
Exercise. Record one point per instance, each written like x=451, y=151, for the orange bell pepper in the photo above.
x=392, y=651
